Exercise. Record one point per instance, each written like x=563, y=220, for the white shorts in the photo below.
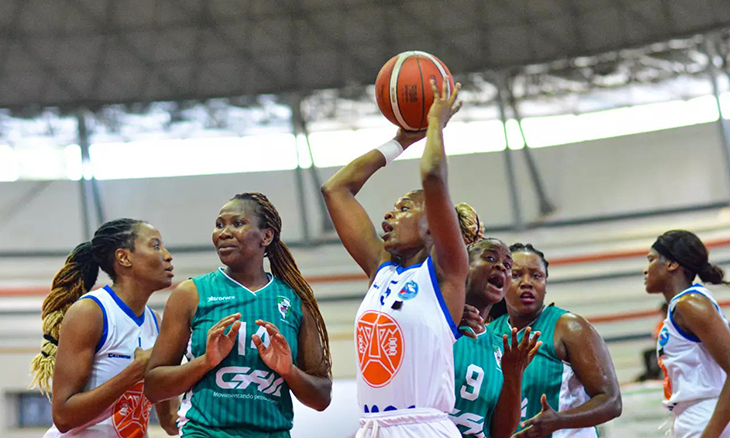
x=690, y=419
x=407, y=423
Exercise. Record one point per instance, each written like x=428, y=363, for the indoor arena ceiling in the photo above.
x=86, y=53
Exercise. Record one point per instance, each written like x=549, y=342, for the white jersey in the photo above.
x=404, y=337
x=691, y=372
x=123, y=332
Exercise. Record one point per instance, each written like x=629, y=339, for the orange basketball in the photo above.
x=403, y=90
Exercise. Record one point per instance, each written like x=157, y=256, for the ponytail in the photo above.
x=76, y=278
x=285, y=268
x=685, y=248
x=712, y=274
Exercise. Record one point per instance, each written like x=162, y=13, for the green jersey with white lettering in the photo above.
x=478, y=377
x=547, y=373
x=241, y=397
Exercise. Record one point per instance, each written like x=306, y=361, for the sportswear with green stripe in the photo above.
x=547, y=374
x=241, y=397
x=478, y=374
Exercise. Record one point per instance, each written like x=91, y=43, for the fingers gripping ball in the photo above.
x=403, y=90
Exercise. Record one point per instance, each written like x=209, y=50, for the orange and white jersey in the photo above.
x=124, y=331
x=404, y=337
x=690, y=370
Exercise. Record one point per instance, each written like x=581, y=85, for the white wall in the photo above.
x=657, y=170
x=651, y=171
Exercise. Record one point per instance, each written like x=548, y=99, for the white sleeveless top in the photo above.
x=691, y=372
x=123, y=332
x=404, y=337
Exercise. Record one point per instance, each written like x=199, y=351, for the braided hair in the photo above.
x=77, y=277
x=285, y=268
x=472, y=230
x=521, y=247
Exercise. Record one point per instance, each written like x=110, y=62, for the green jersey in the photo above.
x=547, y=373
x=241, y=397
x=478, y=377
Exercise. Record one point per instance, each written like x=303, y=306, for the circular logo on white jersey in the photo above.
x=132, y=413
x=380, y=347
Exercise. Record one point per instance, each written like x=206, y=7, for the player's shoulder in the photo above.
x=570, y=322
x=694, y=307
x=186, y=287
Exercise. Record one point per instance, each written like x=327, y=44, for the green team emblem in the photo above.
x=284, y=306
x=498, y=357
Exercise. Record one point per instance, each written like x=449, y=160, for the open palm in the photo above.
x=220, y=343
x=277, y=355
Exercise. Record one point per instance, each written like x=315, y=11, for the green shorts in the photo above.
x=193, y=430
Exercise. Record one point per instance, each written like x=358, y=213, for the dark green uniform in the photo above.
x=478, y=377
x=241, y=397
x=547, y=374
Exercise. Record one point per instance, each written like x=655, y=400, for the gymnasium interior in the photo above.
x=588, y=129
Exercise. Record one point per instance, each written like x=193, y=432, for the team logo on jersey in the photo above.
x=380, y=347
x=284, y=306
x=498, y=357
x=132, y=413
x=662, y=340
x=241, y=377
x=409, y=290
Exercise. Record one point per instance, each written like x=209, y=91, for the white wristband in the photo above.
x=390, y=150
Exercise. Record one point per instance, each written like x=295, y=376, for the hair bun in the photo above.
x=712, y=274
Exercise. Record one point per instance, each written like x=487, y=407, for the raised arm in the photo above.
x=700, y=316
x=449, y=252
x=578, y=343
x=506, y=415
x=166, y=377
x=352, y=223
x=81, y=331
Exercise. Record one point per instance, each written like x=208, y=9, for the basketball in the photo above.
x=403, y=90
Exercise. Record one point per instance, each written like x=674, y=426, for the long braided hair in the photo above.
x=74, y=279
x=285, y=268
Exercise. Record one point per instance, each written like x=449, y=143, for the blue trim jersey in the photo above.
x=692, y=374
x=404, y=336
x=123, y=332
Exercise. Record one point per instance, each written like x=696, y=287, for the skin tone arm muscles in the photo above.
x=578, y=343
x=699, y=316
x=506, y=416
x=167, y=409
x=450, y=256
x=349, y=217
x=80, y=333
x=313, y=388
x=165, y=377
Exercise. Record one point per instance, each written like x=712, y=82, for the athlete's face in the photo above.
x=656, y=272
x=490, y=273
x=526, y=295
x=405, y=226
x=237, y=236
x=150, y=262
